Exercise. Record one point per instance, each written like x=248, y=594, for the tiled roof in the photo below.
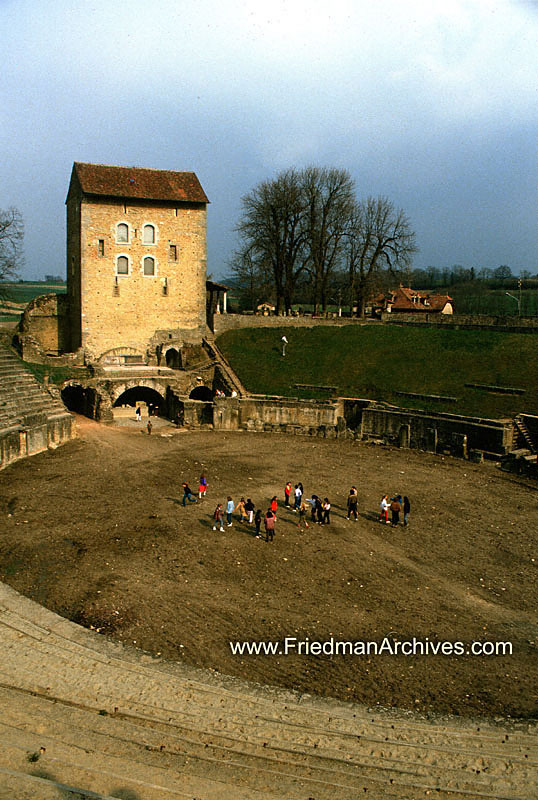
x=401, y=299
x=139, y=183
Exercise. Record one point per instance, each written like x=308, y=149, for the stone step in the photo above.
x=91, y=702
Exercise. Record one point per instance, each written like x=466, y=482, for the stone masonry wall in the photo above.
x=508, y=324
x=452, y=433
x=126, y=310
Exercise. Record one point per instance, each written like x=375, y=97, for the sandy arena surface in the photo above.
x=96, y=532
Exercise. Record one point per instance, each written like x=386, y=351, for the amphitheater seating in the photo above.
x=31, y=418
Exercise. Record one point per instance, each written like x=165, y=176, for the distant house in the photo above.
x=266, y=309
x=404, y=300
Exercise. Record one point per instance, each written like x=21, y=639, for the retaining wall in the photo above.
x=507, y=324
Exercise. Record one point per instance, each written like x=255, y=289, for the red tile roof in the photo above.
x=401, y=299
x=138, y=183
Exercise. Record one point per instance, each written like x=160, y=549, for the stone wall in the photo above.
x=277, y=414
x=508, y=324
x=32, y=419
x=450, y=433
x=460, y=436
x=111, y=310
x=226, y=322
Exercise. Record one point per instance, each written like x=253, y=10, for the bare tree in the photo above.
x=252, y=280
x=379, y=237
x=11, y=243
x=329, y=198
x=272, y=233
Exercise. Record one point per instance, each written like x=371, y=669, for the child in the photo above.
x=241, y=510
x=302, y=524
x=269, y=521
x=274, y=506
x=230, y=507
x=258, y=522
x=384, y=509
x=217, y=517
x=287, y=492
x=249, y=508
x=202, y=488
x=326, y=512
x=187, y=494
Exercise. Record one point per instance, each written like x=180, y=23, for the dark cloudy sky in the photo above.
x=432, y=103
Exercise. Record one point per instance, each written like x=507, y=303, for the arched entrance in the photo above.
x=173, y=358
x=202, y=393
x=79, y=399
x=150, y=401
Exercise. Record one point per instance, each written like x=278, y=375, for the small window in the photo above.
x=172, y=253
x=122, y=232
x=148, y=236
x=149, y=266
x=101, y=247
x=122, y=265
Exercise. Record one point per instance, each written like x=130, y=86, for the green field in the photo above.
x=376, y=362
x=27, y=290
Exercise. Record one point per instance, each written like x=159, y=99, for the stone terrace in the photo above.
x=31, y=418
x=84, y=717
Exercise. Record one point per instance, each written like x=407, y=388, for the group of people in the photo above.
x=395, y=505
x=294, y=499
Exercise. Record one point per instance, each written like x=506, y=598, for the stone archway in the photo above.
x=173, y=358
x=202, y=393
x=149, y=400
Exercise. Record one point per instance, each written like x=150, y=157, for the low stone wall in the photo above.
x=457, y=435
x=508, y=324
x=450, y=433
x=279, y=415
x=35, y=436
x=226, y=322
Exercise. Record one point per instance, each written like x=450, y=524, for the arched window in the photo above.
x=122, y=265
x=148, y=236
x=122, y=232
x=149, y=265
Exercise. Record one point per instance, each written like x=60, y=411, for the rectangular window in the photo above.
x=101, y=247
x=172, y=255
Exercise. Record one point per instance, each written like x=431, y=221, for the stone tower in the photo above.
x=136, y=260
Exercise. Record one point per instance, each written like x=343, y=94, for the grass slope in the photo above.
x=375, y=362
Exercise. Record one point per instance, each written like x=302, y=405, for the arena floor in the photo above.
x=96, y=532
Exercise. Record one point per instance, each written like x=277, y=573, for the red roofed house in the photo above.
x=404, y=300
x=136, y=259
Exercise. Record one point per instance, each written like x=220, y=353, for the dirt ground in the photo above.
x=95, y=530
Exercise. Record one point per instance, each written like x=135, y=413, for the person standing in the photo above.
x=302, y=524
x=241, y=510
x=230, y=506
x=326, y=512
x=138, y=413
x=217, y=517
x=269, y=522
x=258, y=522
x=298, y=496
x=384, y=509
x=202, y=487
x=319, y=511
x=149, y=426
x=274, y=505
x=395, y=508
x=249, y=508
x=287, y=492
x=352, y=501
x=406, y=508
